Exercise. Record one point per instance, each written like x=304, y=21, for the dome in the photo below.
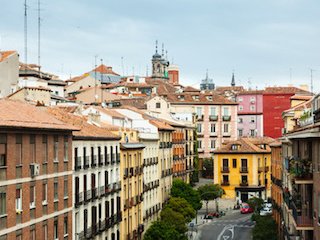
x=156, y=55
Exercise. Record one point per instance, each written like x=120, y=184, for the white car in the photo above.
x=265, y=211
x=267, y=205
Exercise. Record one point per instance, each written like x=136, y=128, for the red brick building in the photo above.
x=275, y=101
x=35, y=174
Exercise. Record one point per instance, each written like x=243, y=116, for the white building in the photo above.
x=9, y=71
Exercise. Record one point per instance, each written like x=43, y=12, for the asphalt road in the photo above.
x=231, y=227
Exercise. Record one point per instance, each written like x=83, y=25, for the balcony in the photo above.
x=118, y=157
x=263, y=169
x=226, y=134
x=226, y=118
x=86, y=162
x=213, y=117
x=200, y=117
x=302, y=216
x=225, y=183
x=225, y=169
x=78, y=163
x=93, y=160
x=243, y=184
x=301, y=171
x=244, y=170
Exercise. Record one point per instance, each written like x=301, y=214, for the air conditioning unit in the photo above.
x=35, y=169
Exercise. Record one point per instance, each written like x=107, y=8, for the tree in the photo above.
x=181, y=206
x=160, y=230
x=210, y=192
x=265, y=228
x=176, y=219
x=255, y=203
x=207, y=168
x=184, y=190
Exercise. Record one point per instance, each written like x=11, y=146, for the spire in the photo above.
x=162, y=49
x=156, y=46
x=207, y=75
x=233, y=82
x=166, y=54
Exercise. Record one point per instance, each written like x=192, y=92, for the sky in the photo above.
x=264, y=42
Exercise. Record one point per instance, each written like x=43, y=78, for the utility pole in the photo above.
x=25, y=33
x=95, y=79
x=39, y=22
x=311, y=78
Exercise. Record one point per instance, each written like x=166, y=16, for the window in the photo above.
x=45, y=148
x=213, y=144
x=213, y=127
x=32, y=234
x=32, y=148
x=234, y=163
x=240, y=120
x=225, y=162
x=234, y=146
x=252, y=132
x=252, y=99
x=18, y=149
x=240, y=99
x=213, y=111
x=225, y=111
x=240, y=132
x=55, y=149
x=18, y=199
x=199, y=111
x=66, y=146
x=32, y=196
x=252, y=108
x=65, y=187
x=44, y=193
x=3, y=149
x=158, y=105
x=226, y=128
x=252, y=120
x=240, y=108
x=55, y=189
x=45, y=232
x=3, y=202
x=225, y=179
x=65, y=226
x=199, y=144
x=199, y=127
x=244, y=179
x=55, y=230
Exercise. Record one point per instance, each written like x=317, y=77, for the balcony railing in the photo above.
x=200, y=117
x=225, y=169
x=243, y=183
x=301, y=169
x=226, y=118
x=302, y=216
x=244, y=170
x=213, y=117
x=263, y=169
x=225, y=183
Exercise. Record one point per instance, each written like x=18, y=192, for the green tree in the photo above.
x=207, y=168
x=176, y=219
x=184, y=190
x=210, y=192
x=255, y=203
x=160, y=230
x=265, y=228
x=181, y=206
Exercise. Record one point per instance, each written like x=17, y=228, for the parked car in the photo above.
x=245, y=208
x=265, y=211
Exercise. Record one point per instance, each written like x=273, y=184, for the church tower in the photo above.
x=159, y=64
x=233, y=81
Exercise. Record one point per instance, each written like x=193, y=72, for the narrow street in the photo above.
x=231, y=227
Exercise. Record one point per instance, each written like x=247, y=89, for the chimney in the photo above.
x=94, y=117
x=173, y=72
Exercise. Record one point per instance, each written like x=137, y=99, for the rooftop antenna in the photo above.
x=122, y=66
x=25, y=35
x=162, y=49
x=95, y=78
x=101, y=60
x=311, y=78
x=156, y=46
x=290, y=75
x=147, y=71
x=249, y=83
x=39, y=22
x=166, y=54
x=207, y=74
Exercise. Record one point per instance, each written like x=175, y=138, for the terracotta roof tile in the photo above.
x=191, y=89
x=161, y=125
x=247, y=145
x=300, y=97
x=17, y=114
x=284, y=90
x=105, y=70
x=86, y=130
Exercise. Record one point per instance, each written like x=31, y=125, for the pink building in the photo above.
x=250, y=113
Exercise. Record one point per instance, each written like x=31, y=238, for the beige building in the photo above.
x=37, y=95
x=94, y=95
x=9, y=71
x=81, y=82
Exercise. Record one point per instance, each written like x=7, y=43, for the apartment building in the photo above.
x=9, y=71
x=242, y=167
x=96, y=179
x=276, y=185
x=300, y=146
x=36, y=173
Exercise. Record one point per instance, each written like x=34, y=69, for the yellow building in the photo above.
x=243, y=168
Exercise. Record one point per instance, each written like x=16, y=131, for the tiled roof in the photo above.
x=246, y=145
x=139, y=103
x=300, y=107
x=284, y=90
x=105, y=70
x=128, y=84
x=86, y=130
x=191, y=89
x=201, y=98
x=163, y=87
x=161, y=125
x=29, y=88
x=230, y=88
x=17, y=114
x=250, y=92
x=300, y=97
x=78, y=78
x=5, y=54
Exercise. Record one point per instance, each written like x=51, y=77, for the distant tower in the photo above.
x=173, y=71
x=207, y=83
x=233, y=82
x=159, y=65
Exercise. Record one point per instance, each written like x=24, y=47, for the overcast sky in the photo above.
x=260, y=40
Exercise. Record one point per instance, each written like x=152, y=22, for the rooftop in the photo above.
x=5, y=54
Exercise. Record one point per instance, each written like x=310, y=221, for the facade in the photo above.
x=276, y=185
x=9, y=71
x=250, y=113
x=39, y=95
x=81, y=82
x=242, y=167
x=160, y=65
x=300, y=145
x=36, y=174
x=276, y=100
x=96, y=179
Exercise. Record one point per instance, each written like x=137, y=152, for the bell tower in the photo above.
x=159, y=64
